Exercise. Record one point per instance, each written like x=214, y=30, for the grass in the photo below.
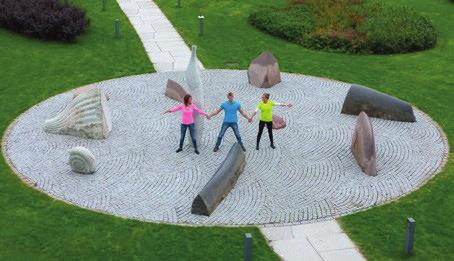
x=34, y=226
x=424, y=79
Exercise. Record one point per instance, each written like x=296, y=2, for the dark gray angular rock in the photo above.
x=175, y=91
x=264, y=71
x=376, y=104
x=220, y=184
x=363, y=145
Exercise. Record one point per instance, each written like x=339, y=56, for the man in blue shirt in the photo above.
x=230, y=108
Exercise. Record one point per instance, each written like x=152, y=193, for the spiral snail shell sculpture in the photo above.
x=82, y=160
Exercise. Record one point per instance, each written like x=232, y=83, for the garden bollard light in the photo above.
x=411, y=223
x=117, y=28
x=178, y=3
x=201, y=18
x=104, y=5
x=247, y=247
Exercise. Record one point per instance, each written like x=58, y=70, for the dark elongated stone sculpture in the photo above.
x=264, y=71
x=376, y=104
x=278, y=122
x=221, y=183
x=363, y=145
x=175, y=91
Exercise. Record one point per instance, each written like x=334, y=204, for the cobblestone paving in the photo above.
x=310, y=176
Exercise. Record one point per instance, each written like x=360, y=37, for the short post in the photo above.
x=104, y=5
x=178, y=3
x=247, y=247
x=411, y=223
x=201, y=18
x=117, y=28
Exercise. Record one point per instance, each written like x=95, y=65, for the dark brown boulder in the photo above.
x=264, y=71
x=219, y=186
x=175, y=91
x=376, y=104
x=363, y=145
x=278, y=122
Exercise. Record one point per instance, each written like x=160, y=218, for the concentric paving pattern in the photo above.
x=311, y=175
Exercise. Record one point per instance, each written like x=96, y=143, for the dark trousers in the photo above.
x=184, y=127
x=269, y=126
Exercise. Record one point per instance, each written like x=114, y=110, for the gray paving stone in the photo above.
x=295, y=250
x=310, y=176
x=342, y=255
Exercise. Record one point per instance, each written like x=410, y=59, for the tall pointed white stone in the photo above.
x=194, y=82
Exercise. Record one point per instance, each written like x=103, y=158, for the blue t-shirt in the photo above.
x=230, y=111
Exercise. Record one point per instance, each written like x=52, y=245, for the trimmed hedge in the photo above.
x=348, y=26
x=44, y=19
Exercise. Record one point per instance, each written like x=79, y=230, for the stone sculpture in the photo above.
x=175, y=91
x=194, y=82
x=219, y=186
x=278, y=122
x=82, y=160
x=363, y=145
x=376, y=104
x=264, y=71
x=86, y=116
x=86, y=88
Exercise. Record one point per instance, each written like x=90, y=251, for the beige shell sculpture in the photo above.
x=82, y=160
x=86, y=116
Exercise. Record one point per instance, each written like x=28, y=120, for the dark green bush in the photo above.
x=397, y=30
x=291, y=24
x=348, y=26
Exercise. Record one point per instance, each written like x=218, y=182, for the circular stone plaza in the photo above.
x=311, y=175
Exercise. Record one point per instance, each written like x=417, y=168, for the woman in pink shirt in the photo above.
x=187, y=119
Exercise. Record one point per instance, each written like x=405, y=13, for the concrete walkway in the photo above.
x=318, y=241
x=168, y=52
x=165, y=47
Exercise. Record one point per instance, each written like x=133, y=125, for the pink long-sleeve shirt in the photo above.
x=187, y=114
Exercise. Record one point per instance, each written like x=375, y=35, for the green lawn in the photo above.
x=35, y=227
x=425, y=79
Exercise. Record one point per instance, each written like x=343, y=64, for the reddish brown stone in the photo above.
x=278, y=122
x=264, y=71
x=363, y=145
x=175, y=91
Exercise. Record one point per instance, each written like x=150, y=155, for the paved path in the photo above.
x=165, y=47
x=312, y=242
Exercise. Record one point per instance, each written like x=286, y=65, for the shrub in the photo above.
x=44, y=19
x=397, y=29
x=348, y=26
x=291, y=24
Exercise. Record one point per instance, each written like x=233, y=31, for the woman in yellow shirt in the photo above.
x=265, y=107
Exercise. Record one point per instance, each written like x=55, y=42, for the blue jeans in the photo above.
x=225, y=126
x=184, y=127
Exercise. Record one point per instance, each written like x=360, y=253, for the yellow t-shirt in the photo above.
x=266, y=110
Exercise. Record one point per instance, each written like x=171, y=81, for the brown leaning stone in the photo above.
x=175, y=91
x=264, y=71
x=278, y=122
x=363, y=145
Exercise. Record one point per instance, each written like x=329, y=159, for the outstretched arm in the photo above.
x=216, y=112
x=282, y=104
x=244, y=114
x=174, y=109
x=199, y=111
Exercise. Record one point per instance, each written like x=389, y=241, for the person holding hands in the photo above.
x=265, y=107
